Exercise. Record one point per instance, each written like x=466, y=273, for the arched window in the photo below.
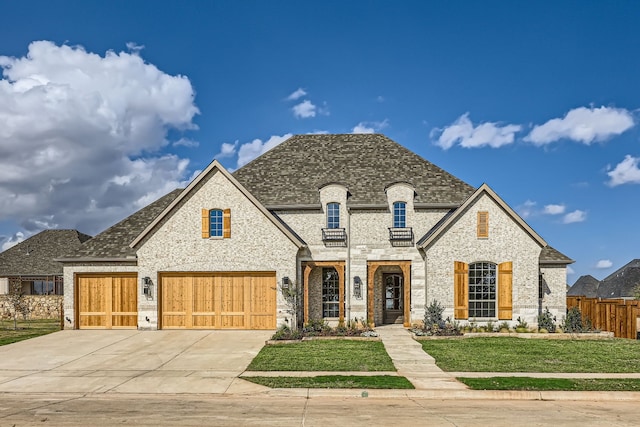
x=482, y=290
x=333, y=215
x=215, y=223
x=399, y=215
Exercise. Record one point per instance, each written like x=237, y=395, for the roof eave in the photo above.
x=96, y=259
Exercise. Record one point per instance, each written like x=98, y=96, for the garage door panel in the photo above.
x=106, y=301
x=218, y=300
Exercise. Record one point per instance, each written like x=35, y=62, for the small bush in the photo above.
x=522, y=324
x=547, y=321
x=572, y=323
x=433, y=316
x=284, y=332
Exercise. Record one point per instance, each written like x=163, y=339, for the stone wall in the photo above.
x=40, y=306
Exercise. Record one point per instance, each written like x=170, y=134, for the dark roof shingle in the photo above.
x=585, y=286
x=35, y=255
x=549, y=255
x=292, y=172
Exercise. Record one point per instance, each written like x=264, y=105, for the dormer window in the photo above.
x=333, y=215
x=399, y=215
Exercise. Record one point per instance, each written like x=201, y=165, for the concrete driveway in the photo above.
x=130, y=361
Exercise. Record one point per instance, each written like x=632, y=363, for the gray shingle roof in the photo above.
x=550, y=255
x=292, y=172
x=586, y=286
x=621, y=282
x=35, y=255
x=114, y=242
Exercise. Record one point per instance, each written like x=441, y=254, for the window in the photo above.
x=482, y=290
x=216, y=223
x=333, y=215
x=330, y=293
x=483, y=224
x=399, y=215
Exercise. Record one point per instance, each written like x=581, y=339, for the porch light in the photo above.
x=357, y=287
x=147, y=285
x=285, y=283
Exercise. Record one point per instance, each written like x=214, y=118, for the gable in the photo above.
x=220, y=187
x=483, y=199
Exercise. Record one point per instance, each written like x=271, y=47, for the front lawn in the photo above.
x=334, y=381
x=321, y=355
x=26, y=329
x=497, y=354
x=548, y=384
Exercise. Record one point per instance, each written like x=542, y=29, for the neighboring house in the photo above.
x=619, y=284
x=31, y=262
x=363, y=227
x=585, y=286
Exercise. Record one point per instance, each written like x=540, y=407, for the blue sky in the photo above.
x=105, y=106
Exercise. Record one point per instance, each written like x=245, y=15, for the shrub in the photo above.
x=572, y=323
x=316, y=327
x=547, y=321
x=433, y=316
x=284, y=332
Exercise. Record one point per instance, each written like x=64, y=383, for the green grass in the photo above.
x=334, y=381
x=542, y=384
x=26, y=330
x=528, y=355
x=320, y=355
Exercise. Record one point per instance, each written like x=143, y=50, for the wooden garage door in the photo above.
x=218, y=300
x=107, y=301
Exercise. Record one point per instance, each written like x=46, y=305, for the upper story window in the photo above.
x=333, y=215
x=216, y=223
x=399, y=215
x=483, y=224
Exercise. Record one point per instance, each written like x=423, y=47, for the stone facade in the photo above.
x=507, y=241
x=39, y=306
x=256, y=244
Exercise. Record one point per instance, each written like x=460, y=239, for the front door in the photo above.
x=393, y=298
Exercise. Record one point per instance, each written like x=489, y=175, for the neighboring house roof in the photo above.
x=35, y=255
x=621, y=283
x=291, y=173
x=216, y=166
x=433, y=234
x=550, y=255
x=586, y=286
x=113, y=243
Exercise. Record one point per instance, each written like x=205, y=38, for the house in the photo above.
x=361, y=226
x=619, y=284
x=31, y=262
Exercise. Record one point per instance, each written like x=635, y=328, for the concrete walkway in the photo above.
x=413, y=363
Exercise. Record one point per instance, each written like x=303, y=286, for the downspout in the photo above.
x=347, y=280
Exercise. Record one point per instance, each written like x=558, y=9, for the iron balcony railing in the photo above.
x=404, y=234
x=334, y=234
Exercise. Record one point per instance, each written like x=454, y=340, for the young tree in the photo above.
x=291, y=294
x=17, y=301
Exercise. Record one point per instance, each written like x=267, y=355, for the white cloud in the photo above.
x=575, y=216
x=304, y=110
x=134, y=47
x=526, y=209
x=604, y=263
x=584, y=125
x=186, y=142
x=250, y=150
x=11, y=241
x=380, y=98
x=625, y=172
x=464, y=133
x=370, y=127
x=554, y=209
x=81, y=135
x=226, y=150
x=570, y=270
x=298, y=93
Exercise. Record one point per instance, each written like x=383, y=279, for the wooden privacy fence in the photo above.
x=613, y=315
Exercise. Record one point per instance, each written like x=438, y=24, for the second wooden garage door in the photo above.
x=218, y=301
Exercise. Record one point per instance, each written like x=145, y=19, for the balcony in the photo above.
x=334, y=236
x=401, y=236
